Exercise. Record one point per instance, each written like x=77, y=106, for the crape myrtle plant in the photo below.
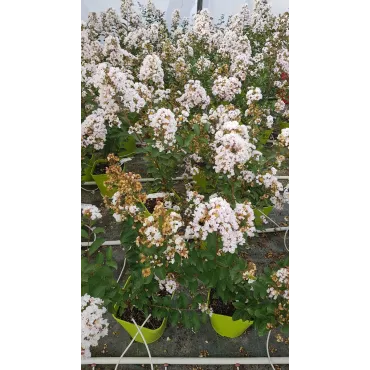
x=200, y=100
x=97, y=263
x=157, y=255
x=175, y=91
x=265, y=298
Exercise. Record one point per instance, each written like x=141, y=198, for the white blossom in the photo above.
x=93, y=325
x=90, y=211
x=225, y=88
x=93, y=130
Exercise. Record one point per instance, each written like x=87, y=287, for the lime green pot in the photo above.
x=225, y=326
x=150, y=335
x=100, y=179
x=258, y=214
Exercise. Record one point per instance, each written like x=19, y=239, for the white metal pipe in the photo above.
x=111, y=242
x=186, y=360
x=149, y=179
x=269, y=230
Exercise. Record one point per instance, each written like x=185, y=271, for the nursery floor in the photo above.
x=180, y=342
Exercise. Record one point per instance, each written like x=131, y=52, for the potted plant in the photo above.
x=99, y=289
x=267, y=304
x=156, y=256
x=218, y=232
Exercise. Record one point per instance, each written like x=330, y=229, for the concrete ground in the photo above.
x=178, y=342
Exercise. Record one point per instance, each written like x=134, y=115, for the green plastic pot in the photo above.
x=258, y=214
x=100, y=179
x=150, y=335
x=225, y=326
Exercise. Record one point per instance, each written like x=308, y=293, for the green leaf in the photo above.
x=95, y=246
x=201, y=180
x=99, y=259
x=98, y=230
x=84, y=233
x=193, y=286
x=109, y=253
x=112, y=263
x=196, y=129
x=160, y=272
x=98, y=291
x=174, y=317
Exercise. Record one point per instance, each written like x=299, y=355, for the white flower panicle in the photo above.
x=194, y=95
x=232, y=147
x=113, y=52
x=203, y=64
x=279, y=106
x=224, y=113
x=240, y=65
x=93, y=325
x=93, y=130
x=216, y=215
x=90, y=211
x=253, y=94
x=261, y=16
x=225, y=88
x=164, y=125
x=283, y=137
x=116, y=92
x=151, y=70
x=169, y=284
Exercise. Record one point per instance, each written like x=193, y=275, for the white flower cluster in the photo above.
x=194, y=95
x=93, y=130
x=113, y=52
x=164, y=126
x=225, y=88
x=90, y=211
x=202, y=26
x=216, y=215
x=205, y=308
x=151, y=70
x=240, y=65
x=279, y=106
x=203, y=64
x=232, y=147
x=283, y=275
x=128, y=210
x=231, y=43
x=270, y=121
x=190, y=168
x=245, y=216
x=270, y=181
x=283, y=137
x=93, y=325
x=224, y=113
x=180, y=68
x=169, y=283
x=253, y=94
x=261, y=16
x=116, y=88
x=281, y=280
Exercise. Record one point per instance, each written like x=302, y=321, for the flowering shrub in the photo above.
x=93, y=325
x=199, y=100
x=266, y=299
